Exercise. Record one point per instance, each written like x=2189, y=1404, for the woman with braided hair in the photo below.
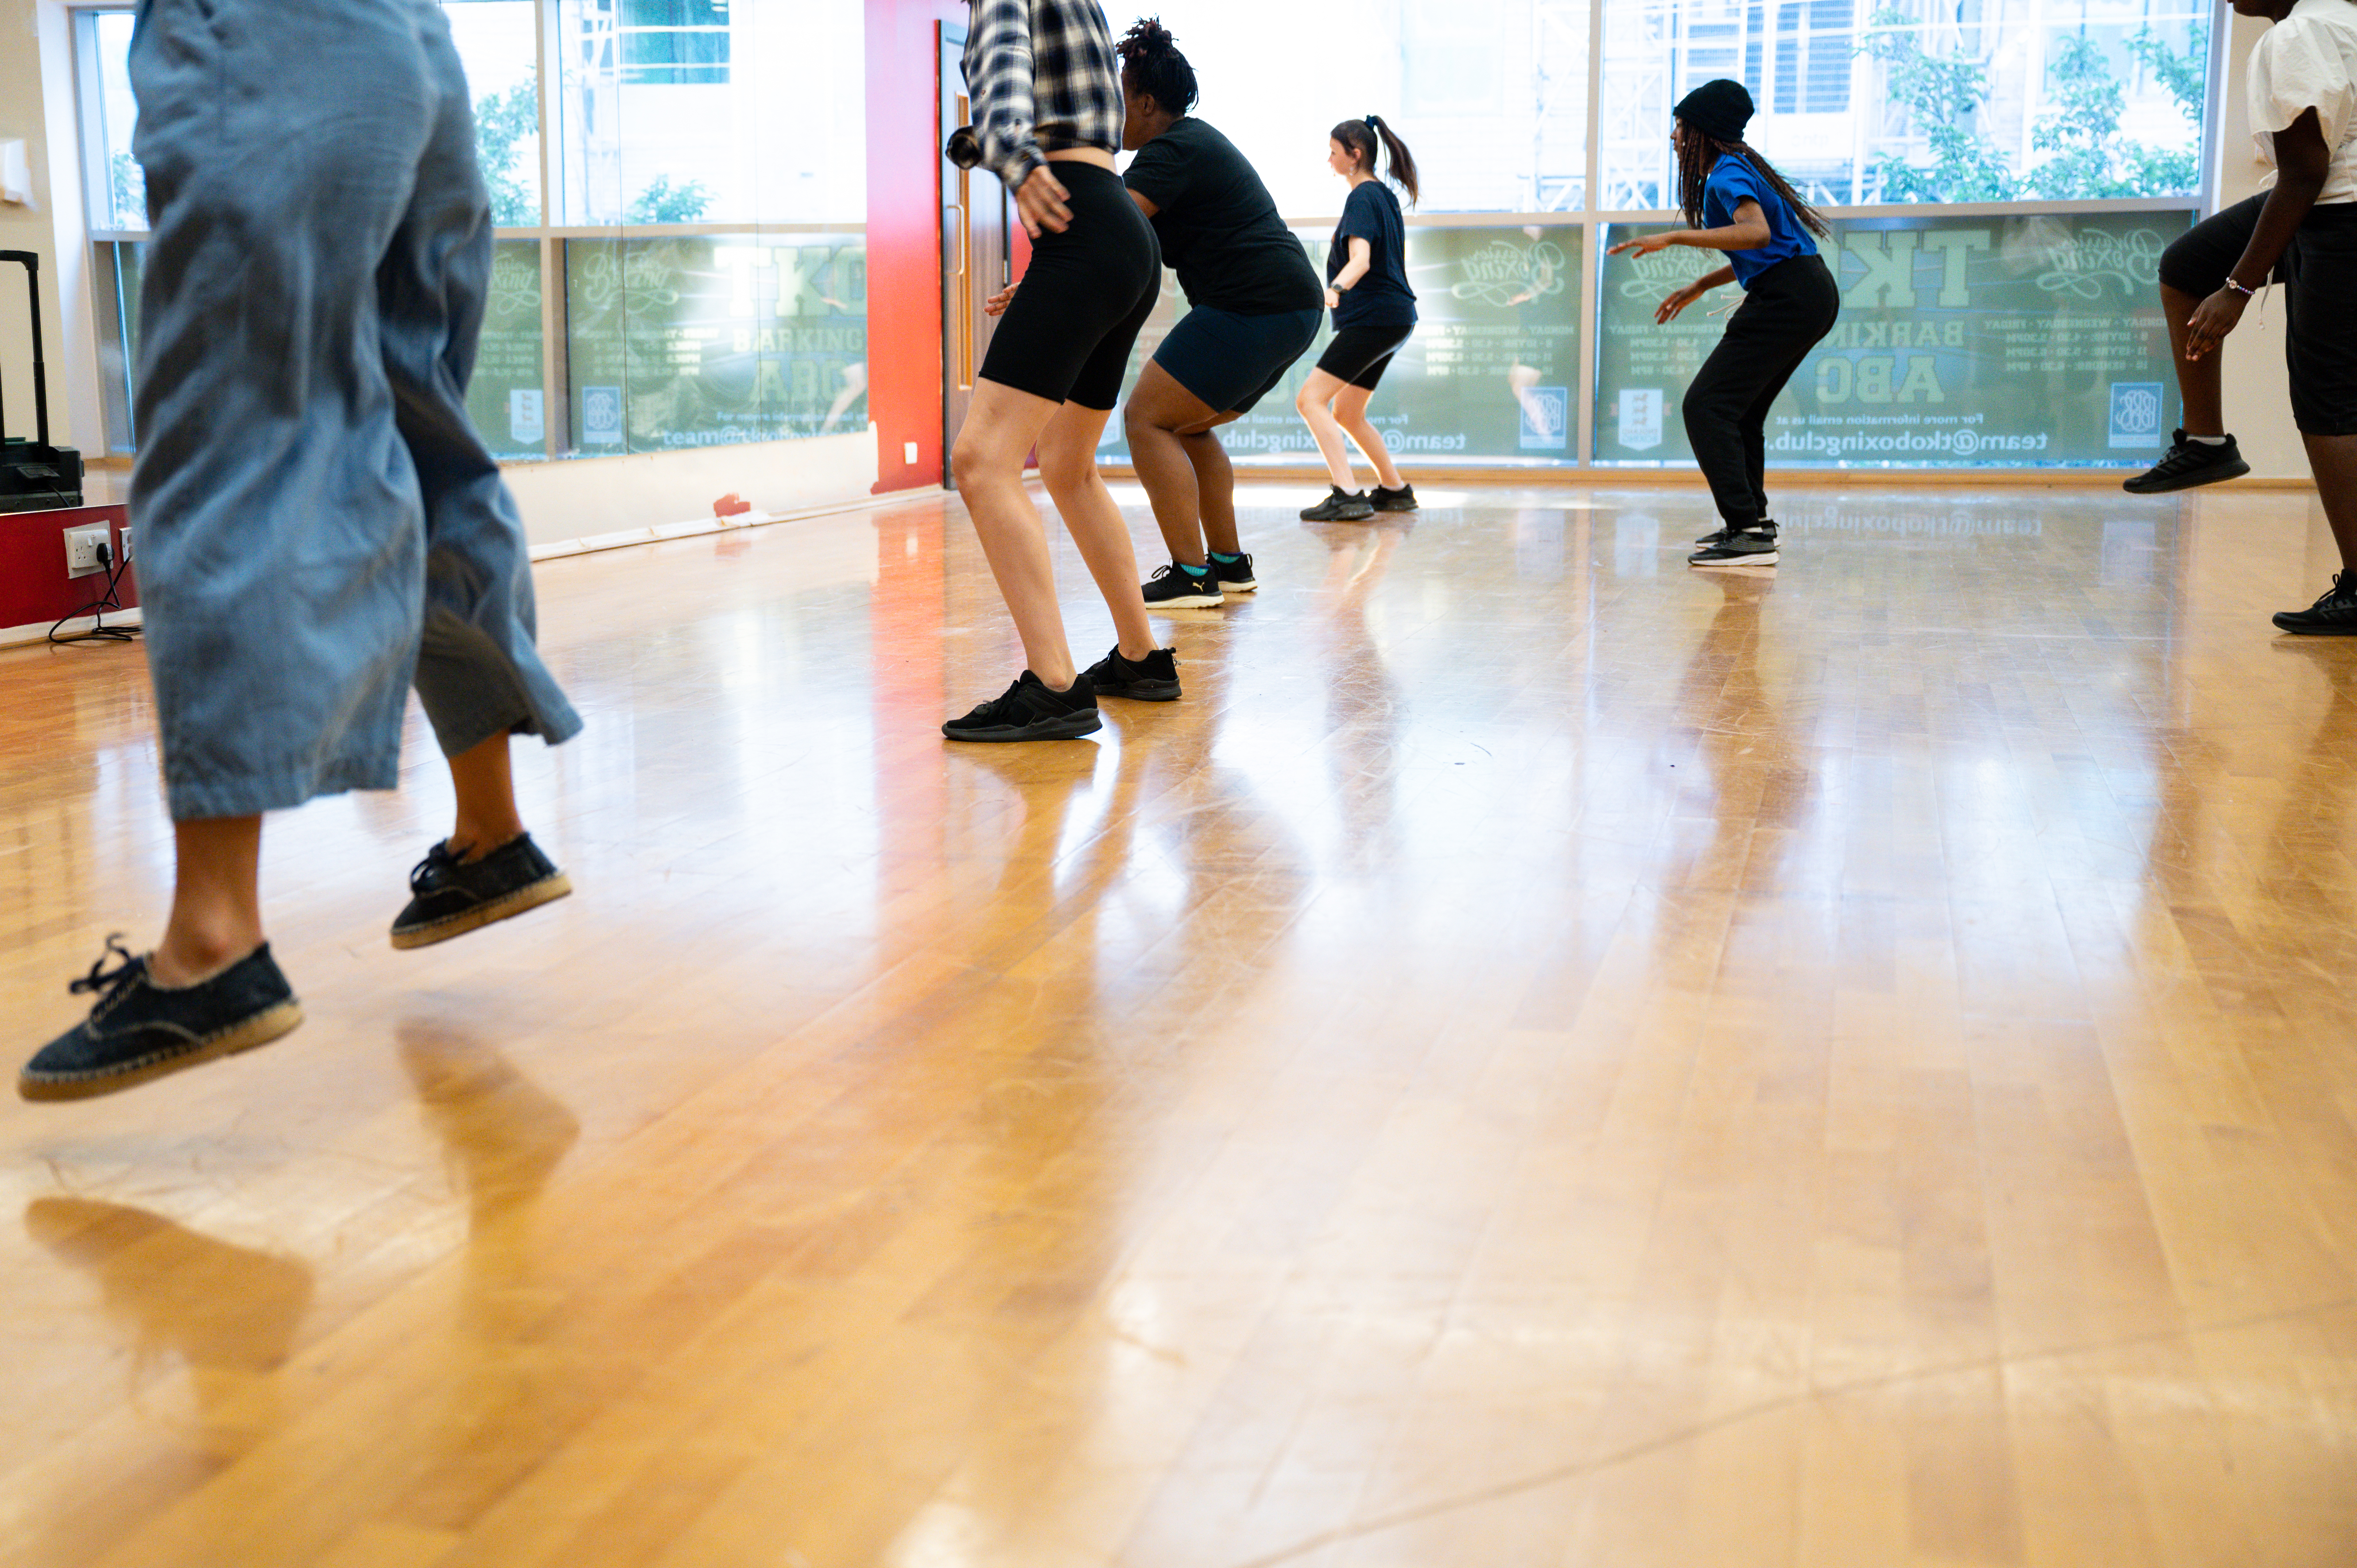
x=1736, y=203
x=1374, y=312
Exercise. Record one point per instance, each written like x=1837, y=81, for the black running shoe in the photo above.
x=1340, y=506
x=1028, y=711
x=1752, y=547
x=1765, y=525
x=1153, y=679
x=1234, y=576
x=1180, y=586
x=448, y=897
x=2189, y=463
x=139, y=1030
x=1400, y=500
x=2334, y=615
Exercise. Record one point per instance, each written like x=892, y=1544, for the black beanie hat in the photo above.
x=1719, y=110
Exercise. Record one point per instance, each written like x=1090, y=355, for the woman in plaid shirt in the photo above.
x=1048, y=113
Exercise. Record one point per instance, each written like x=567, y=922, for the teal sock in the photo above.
x=1194, y=571
x=1222, y=555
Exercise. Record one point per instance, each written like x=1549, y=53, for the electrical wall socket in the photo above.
x=124, y=534
x=81, y=550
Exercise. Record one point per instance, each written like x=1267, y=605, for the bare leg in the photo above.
x=1156, y=411
x=216, y=899
x=2197, y=379
x=487, y=804
x=854, y=386
x=1350, y=413
x=1002, y=425
x=1068, y=462
x=1215, y=488
x=1315, y=404
x=2334, y=460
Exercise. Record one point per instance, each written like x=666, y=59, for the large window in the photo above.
x=680, y=189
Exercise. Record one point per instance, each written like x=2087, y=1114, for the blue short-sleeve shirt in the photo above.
x=1732, y=182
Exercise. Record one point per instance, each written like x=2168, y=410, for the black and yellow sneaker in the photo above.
x=449, y=896
x=1400, y=500
x=1180, y=586
x=1340, y=506
x=139, y=1030
x=1030, y=711
x=2334, y=615
x=2188, y=463
x=1153, y=679
x=1233, y=573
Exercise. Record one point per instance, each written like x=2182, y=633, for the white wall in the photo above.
x=35, y=104
x=2258, y=405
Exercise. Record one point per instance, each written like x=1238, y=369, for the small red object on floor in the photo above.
x=730, y=505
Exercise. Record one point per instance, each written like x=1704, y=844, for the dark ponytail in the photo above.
x=1697, y=152
x=1358, y=136
x=1151, y=64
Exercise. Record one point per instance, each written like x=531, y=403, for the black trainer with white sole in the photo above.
x=1180, y=586
x=1766, y=526
x=1752, y=547
x=1028, y=711
x=1235, y=576
x=449, y=896
x=1153, y=679
x=139, y=1030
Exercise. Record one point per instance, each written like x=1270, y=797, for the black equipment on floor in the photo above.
x=33, y=475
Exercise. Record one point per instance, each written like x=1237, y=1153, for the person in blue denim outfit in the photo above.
x=320, y=526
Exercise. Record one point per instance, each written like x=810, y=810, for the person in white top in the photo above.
x=2302, y=233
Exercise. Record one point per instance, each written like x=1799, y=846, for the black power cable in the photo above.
x=99, y=631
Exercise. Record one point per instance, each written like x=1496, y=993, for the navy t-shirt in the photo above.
x=1732, y=182
x=1381, y=298
x=1218, y=226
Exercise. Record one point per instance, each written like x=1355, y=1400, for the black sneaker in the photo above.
x=1028, y=711
x=2187, y=464
x=2334, y=615
x=448, y=897
x=1400, y=500
x=1752, y=547
x=1180, y=586
x=1234, y=576
x=1153, y=679
x=1340, y=506
x=140, y=1030
x=1765, y=525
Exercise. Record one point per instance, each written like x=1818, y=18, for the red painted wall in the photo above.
x=34, y=586
x=904, y=217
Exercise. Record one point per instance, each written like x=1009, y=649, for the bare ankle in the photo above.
x=181, y=960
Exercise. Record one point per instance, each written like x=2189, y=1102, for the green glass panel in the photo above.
x=1963, y=342
x=1490, y=376
x=708, y=342
x=504, y=398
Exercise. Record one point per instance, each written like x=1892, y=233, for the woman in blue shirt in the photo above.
x=1374, y=312
x=1738, y=204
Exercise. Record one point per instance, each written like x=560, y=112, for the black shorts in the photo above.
x=1231, y=361
x=1359, y=355
x=2319, y=272
x=1068, y=332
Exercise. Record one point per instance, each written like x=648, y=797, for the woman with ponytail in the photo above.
x=1374, y=312
x=1736, y=203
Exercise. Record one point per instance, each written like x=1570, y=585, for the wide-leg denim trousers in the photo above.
x=320, y=526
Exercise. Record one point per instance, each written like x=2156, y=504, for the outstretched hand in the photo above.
x=1645, y=245
x=1675, y=306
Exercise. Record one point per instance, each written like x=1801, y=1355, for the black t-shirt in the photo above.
x=1381, y=298
x=1218, y=226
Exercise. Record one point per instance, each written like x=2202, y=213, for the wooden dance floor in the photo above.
x=1546, y=1058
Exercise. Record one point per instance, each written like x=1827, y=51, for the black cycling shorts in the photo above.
x=1231, y=361
x=1359, y=355
x=1068, y=332
x=2319, y=272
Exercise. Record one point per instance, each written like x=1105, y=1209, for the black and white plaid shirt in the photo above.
x=1043, y=78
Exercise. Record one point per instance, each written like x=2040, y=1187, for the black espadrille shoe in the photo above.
x=448, y=897
x=139, y=1030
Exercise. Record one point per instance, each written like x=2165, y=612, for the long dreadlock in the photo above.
x=1698, y=153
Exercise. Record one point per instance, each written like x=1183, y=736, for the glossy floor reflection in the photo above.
x=1544, y=1058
